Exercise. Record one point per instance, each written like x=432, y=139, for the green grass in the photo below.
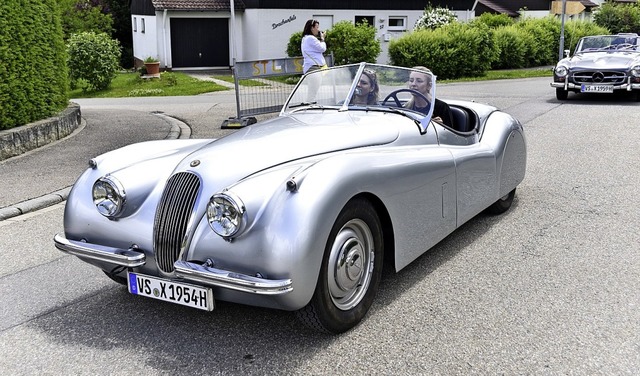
x=130, y=84
x=507, y=74
x=169, y=84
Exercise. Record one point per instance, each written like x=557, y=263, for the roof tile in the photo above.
x=197, y=4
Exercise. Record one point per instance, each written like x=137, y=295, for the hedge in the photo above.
x=33, y=73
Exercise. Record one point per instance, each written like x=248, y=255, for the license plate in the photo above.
x=170, y=291
x=596, y=88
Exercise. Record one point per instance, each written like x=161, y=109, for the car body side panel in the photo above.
x=287, y=241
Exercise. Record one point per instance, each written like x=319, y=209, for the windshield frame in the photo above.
x=608, y=43
x=336, y=87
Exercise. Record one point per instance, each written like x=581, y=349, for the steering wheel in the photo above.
x=624, y=45
x=394, y=95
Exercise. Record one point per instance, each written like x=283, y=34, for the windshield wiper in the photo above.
x=301, y=104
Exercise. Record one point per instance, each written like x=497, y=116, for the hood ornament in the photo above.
x=194, y=163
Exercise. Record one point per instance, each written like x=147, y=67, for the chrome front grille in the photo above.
x=172, y=218
x=598, y=77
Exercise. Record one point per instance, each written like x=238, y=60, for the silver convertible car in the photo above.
x=600, y=64
x=313, y=204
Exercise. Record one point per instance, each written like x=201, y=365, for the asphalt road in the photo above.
x=551, y=287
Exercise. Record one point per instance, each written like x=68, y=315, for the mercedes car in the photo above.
x=600, y=64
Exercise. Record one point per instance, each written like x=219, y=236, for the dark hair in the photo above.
x=375, y=89
x=307, y=27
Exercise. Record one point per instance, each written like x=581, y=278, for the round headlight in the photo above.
x=225, y=214
x=635, y=71
x=108, y=196
x=561, y=71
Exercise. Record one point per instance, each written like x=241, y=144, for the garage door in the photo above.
x=199, y=42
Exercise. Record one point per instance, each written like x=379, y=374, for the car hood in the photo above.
x=286, y=138
x=604, y=60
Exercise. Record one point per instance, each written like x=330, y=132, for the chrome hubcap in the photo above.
x=350, y=264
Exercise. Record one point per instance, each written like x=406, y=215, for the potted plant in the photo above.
x=152, y=65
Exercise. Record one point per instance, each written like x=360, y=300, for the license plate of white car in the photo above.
x=596, y=88
x=170, y=291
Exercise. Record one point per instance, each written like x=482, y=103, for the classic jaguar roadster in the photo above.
x=600, y=64
x=316, y=200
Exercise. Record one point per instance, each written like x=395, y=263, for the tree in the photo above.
x=85, y=15
x=618, y=18
x=351, y=43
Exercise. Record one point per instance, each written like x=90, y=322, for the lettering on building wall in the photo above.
x=276, y=25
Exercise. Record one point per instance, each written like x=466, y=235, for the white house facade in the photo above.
x=206, y=34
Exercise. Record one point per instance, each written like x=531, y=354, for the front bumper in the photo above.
x=189, y=271
x=566, y=85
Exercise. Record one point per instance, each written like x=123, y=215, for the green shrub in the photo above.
x=33, y=73
x=452, y=51
x=294, y=45
x=511, y=46
x=494, y=20
x=93, y=58
x=543, y=48
x=618, y=18
x=351, y=43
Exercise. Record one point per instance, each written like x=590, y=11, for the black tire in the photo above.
x=350, y=272
x=503, y=204
x=561, y=94
x=116, y=278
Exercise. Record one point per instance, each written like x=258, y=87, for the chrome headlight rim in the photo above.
x=111, y=200
x=635, y=71
x=226, y=214
x=561, y=71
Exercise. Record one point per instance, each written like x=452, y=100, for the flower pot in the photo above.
x=152, y=68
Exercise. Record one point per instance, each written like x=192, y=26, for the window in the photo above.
x=397, y=23
x=135, y=24
x=142, y=25
x=361, y=19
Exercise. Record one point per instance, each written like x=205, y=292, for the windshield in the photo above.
x=365, y=86
x=608, y=43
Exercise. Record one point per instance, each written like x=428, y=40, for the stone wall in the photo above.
x=19, y=140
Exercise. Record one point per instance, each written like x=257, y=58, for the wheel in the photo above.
x=503, y=204
x=394, y=95
x=561, y=94
x=350, y=272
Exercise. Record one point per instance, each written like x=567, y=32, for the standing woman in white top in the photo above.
x=313, y=46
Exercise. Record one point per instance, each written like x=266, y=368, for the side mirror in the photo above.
x=566, y=53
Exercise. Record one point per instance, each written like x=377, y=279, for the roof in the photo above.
x=497, y=7
x=197, y=4
x=588, y=3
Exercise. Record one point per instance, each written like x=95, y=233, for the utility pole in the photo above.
x=564, y=10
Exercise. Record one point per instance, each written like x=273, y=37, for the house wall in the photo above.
x=266, y=35
x=145, y=38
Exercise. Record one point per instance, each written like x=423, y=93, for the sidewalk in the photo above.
x=44, y=176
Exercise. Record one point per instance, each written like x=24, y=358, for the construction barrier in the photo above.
x=256, y=93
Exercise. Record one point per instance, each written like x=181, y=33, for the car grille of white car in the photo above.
x=598, y=77
x=172, y=218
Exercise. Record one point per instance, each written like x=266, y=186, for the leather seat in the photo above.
x=461, y=119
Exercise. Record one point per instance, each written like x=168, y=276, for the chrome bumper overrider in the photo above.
x=118, y=256
x=185, y=270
